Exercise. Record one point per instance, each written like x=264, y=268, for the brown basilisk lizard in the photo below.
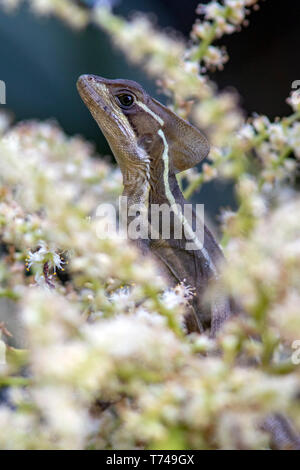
x=151, y=144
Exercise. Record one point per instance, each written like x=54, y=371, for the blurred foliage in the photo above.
x=110, y=330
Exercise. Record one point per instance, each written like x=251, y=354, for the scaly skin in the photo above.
x=151, y=144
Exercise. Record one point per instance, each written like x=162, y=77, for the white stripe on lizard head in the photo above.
x=149, y=111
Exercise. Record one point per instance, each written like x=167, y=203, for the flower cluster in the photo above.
x=219, y=18
x=106, y=362
x=74, y=14
x=91, y=341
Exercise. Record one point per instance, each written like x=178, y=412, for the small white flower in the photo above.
x=43, y=255
x=247, y=132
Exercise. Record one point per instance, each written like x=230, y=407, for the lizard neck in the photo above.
x=151, y=183
x=136, y=182
x=156, y=183
x=164, y=188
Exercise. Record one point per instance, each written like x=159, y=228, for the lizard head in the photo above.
x=137, y=127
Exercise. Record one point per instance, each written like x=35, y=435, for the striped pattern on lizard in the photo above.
x=151, y=144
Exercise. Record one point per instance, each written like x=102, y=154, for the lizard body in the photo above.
x=151, y=144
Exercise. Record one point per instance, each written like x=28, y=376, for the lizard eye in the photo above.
x=125, y=100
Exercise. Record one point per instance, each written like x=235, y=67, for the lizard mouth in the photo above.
x=86, y=86
x=94, y=93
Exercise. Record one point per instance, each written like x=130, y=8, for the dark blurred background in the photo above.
x=41, y=59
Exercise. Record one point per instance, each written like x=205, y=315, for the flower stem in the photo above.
x=199, y=53
x=14, y=381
